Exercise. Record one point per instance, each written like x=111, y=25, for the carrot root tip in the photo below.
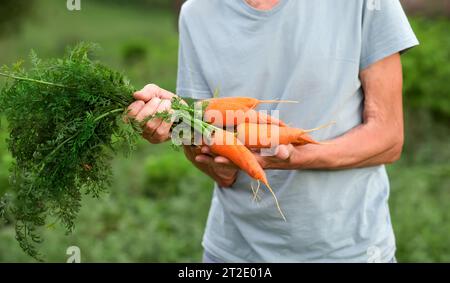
x=276, y=201
x=320, y=128
x=278, y=101
x=256, y=197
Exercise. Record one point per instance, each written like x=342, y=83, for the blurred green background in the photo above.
x=158, y=204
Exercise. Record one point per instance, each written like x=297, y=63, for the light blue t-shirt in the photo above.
x=311, y=51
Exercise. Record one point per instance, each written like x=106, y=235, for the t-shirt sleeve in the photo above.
x=385, y=31
x=191, y=81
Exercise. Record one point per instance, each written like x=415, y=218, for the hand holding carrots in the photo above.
x=227, y=150
x=218, y=167
x=279, y=157
x=150, y=100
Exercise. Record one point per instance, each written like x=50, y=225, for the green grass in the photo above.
x=113, y=27
x=138, y=221
x=157, y=207
x=419, y=206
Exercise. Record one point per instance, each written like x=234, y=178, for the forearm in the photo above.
x=378, y=140
x=366, y=145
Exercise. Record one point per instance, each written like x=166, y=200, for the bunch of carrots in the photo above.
x=250, y=130
x=77, y=115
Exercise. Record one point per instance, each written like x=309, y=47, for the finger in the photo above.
x=165, y=94
x=149, y=109
x=222, y=160
x=151, y=91
x=204, y=159
x=157, y=127
x=206, y=150
x=162, y=133
x=135, y=108
x=147, y=136
x=152, y=125
x=164, y=105
x=284, y=152
x=147, y=93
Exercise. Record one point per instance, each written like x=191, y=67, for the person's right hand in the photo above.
x=150, y=100
x=219, y=168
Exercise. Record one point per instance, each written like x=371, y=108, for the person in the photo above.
x=341, y=60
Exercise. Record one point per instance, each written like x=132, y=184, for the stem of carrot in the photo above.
x=32, y=80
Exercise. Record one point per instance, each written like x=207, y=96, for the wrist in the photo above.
x=302, y=157
x=315, y=157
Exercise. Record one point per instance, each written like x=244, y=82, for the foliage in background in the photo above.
x=434, y=8
x=5, y=160
x=427, y=68
x=419, y=209
x=130, y=226
x=142, y=4
x=12, y=15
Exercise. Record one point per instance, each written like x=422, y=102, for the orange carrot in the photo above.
x=231, y=116
x=236, y=104
x=239, y=107
x=263, y=118
x=247, y=102
x=226, y=144
x=265, y=136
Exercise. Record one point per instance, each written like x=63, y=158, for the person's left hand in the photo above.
x=281, y=159
x=221, y=169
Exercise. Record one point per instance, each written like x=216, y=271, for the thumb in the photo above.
x=284, y=152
